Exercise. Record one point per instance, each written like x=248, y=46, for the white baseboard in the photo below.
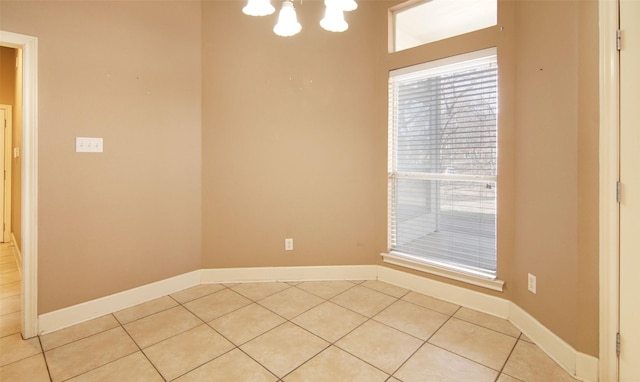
x=554, y=346
x=580, y=365
x=587, y=367
x=461, y=296
x=89, y=310
x=319, y=273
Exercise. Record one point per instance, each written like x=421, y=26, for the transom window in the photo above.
x=433, y=20
x=443, y=162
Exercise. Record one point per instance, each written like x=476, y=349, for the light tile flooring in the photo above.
x=309, y=331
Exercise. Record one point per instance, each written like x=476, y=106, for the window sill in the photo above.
x=424, y=266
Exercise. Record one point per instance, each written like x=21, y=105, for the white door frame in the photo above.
x=29, y=157
x=6, y=164
x=609, y=176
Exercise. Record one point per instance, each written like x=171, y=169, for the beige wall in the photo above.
x=556, y=167
x=293, y=140
x=588, y=180
x=128, y=72
x=547, y=162
x=292, y=143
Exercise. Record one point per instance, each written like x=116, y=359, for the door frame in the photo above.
x=609, y=210
x=6, y=164
x=29, y=176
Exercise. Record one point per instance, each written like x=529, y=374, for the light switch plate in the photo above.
x=88, y=145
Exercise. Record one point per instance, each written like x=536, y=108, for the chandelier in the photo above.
x=288, y=24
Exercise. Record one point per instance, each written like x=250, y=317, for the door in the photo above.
x=629, y=361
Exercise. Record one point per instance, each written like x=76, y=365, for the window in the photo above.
x=443, y=163
x=439, y=19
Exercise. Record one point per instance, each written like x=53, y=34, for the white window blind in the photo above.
x=443, y=162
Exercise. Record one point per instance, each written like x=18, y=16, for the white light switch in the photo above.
x=88, y=145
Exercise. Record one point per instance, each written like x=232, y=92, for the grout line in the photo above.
x=355, y=356
x=206, y=362
x=289, y=320
x=305, y=362
x=202, y=322
x=432, y=309
x=407, y=359
x=406, y=291
x=143, y=317
x=460, y=355
x=85, y=336
x=289, y=286
x=465, y=357
x=223, y=287
x=252, y=301
x=92, y=335
x=143, y=353
x=513, y=348
x=261, y=365
x=238, y=347
x=424, y=342
x=44, y=357
x=486, y=327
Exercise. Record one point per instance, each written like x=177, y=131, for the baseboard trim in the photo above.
x=495, y=306
x=270, y=274
x=582, y=366
x=89, y=310
x=553, y=345
x=587, y=367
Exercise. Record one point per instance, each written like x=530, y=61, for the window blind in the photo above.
x=443, y=162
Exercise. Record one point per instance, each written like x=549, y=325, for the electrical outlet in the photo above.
x=288, y=244
x=531, y=282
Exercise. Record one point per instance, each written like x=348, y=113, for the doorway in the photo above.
x=28, y=176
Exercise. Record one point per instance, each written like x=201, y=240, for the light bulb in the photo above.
x=333, y=20
x=349, y=5
x=288, y=24
x=258, y=8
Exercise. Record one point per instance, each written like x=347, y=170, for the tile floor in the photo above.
x=309, y=331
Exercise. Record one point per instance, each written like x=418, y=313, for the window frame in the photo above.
x=484, y=279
